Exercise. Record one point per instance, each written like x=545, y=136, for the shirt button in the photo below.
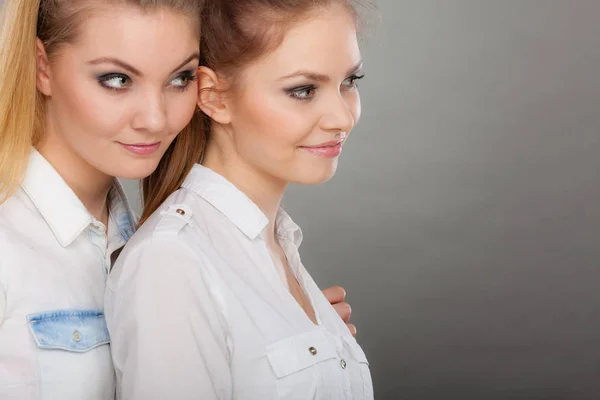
x=180, y=211
x=312, y=351
x=77, y=336
x=343, y=363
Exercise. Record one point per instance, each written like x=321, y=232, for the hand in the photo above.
x=336, y=296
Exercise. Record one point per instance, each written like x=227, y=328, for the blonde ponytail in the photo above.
x=21, y=114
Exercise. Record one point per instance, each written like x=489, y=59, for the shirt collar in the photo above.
x=121, y=213
x=121, y=221
x=236, y=206
x=62, y=210
x=286, y=228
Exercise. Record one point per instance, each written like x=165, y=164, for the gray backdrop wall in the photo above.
x=464, y=218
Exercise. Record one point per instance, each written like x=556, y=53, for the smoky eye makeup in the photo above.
x=353, y=79
x=114, y=81
x=308, y=91
x=184, y=79
x=302, y=92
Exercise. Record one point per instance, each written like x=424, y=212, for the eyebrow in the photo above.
x=133, y=70
x=320, y=77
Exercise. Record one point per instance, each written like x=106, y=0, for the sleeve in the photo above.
x=166, y=339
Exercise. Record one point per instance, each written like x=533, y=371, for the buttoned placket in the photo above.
x=296, y=264
x=269, y=271
x=293, y=256
x=97, y=235
x=293, y=259
x=343, y=365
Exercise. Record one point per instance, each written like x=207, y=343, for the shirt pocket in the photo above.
x=72, y=347
x=360, y=358
x=299, y=362
x=70, y=330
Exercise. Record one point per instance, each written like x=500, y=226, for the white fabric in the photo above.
x=54, y=260
x=197, y=310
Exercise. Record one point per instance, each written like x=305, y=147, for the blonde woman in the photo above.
x=89, y=91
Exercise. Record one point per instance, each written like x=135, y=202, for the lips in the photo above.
x=141, y=148
x=329, y=149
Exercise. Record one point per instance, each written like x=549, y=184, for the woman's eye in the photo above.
x=183, y=81
x=115, y=81
x=303, y=93
x=351, y=82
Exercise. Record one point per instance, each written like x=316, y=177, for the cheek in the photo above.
x=355, y=106
x=276, y=122
x=181, y=107
x=82, y=106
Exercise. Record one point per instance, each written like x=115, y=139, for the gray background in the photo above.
x=463, y=220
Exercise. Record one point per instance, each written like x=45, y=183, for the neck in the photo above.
x=89, y=185
x=263, y=189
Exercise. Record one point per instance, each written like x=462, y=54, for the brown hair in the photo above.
x=233, y=33
x=55, y=23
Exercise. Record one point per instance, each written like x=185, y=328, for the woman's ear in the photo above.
x=43, y=69
x=211, y=97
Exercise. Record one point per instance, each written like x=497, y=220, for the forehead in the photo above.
x=132, y=33
x=326, y=41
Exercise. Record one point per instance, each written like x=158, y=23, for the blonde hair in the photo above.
x=21, y=114
x=55, y=23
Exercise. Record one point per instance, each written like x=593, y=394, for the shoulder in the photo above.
x=172, y=220
x=15, y=217
x=20, y=222
x=166, y=239
x=16, y=207
x=184, y=216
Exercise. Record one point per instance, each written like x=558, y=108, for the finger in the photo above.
x=335, y=294
x=352, y=329
x=344, y=310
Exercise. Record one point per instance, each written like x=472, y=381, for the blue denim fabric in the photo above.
x=125, y=226
x=121, y=213
x=73, y=330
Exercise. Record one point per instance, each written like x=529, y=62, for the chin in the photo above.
x=315, y=176
x=136, y=170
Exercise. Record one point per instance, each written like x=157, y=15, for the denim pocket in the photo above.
x=71, y=330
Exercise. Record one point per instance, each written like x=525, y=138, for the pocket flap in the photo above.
x=356, y=350
x=72, y=330
x=298, y=352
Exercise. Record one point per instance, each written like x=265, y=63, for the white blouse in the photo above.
x=54, y=260
x=196, y=309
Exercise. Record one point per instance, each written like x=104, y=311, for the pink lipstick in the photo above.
x=142, y=149
x=329, y=149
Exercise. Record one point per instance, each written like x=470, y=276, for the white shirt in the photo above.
x=54, y=260
x=196, y=308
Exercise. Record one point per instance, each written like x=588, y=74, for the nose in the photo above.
x=341, y=114
x=151, y=115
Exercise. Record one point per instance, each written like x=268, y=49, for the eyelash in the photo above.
x=188, y=76
x=294, y=93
